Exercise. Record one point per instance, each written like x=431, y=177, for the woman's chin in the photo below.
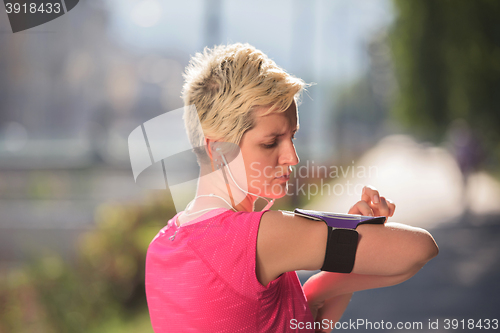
x=272, y=191
x=277, y=193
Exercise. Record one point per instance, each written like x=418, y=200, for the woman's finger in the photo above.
x=370, y=194
x=383, y=207
x=392, y=206
x=361, y=208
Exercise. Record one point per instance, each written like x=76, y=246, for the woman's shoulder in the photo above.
x=288, y=242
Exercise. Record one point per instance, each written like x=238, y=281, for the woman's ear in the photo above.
x=209, y=147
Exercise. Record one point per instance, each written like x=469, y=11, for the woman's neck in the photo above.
x=212, y=192
x=209, y=194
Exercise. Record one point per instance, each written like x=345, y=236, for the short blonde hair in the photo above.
x=225, y=84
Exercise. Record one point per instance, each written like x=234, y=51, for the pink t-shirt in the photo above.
x=200, y=277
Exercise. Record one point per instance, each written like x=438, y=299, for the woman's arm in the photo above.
x=287, y=243
x=323, y=286
x=328, y=294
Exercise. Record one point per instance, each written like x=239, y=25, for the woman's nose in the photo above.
x=289, y=155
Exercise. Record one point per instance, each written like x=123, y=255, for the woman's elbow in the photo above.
x=420, y=247
x=425, y=248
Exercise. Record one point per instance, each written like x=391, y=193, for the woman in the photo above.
x=219, y=266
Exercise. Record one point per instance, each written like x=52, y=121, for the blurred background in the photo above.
x=407, y=99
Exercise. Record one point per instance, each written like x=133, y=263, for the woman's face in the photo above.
x=268, y=152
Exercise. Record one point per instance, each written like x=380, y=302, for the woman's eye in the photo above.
x=271, y=145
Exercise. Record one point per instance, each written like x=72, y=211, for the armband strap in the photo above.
x=342, y=241
x=341, y=249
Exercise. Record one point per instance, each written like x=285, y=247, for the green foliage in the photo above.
x=135, y=324
x=103, y=288
x=447, y=59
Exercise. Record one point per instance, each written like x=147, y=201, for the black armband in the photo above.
x=341, y=249
x=342, y=240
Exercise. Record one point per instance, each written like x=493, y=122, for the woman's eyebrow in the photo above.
x=276, y=134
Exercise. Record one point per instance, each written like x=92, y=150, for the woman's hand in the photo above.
x=330, y=312
x=315, y=307
x=372, y=204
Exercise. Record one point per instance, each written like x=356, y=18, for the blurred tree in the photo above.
x=103, y=291
x=447, y=61
x=362, y=108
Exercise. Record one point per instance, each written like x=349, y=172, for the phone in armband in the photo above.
x=342, y=241
x=337, y=220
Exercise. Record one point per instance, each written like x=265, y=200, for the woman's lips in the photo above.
x=284, y=177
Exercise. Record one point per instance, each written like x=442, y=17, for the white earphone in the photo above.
x=269, y=202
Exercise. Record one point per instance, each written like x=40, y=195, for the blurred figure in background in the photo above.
x=467, y=150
